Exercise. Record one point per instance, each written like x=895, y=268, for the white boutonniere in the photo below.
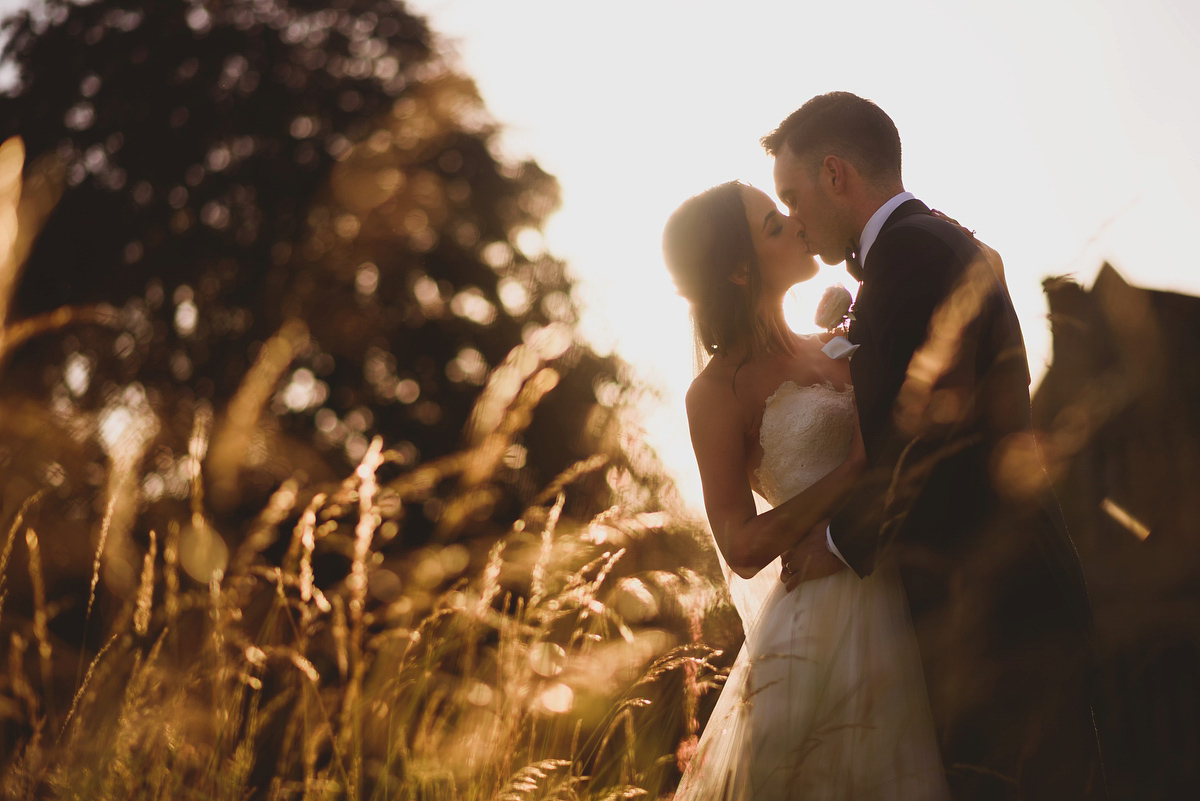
x=834, y=309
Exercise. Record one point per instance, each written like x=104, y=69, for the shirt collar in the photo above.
x=871, y=230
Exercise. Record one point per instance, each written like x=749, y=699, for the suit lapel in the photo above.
x=906, y=209
x=860, y=329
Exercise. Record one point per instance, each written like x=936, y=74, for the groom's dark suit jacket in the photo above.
x=952, y=496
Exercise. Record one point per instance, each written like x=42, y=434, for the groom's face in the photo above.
x=798, y=185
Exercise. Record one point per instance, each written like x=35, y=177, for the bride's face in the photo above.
x=783, y=256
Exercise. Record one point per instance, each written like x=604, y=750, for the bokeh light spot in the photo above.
x=202, y=553
x=471, y=304
x=547, y=659
x=497, y=255
x=468, y=366
x=513, y=295
x=557, y=699
x=186, y=317
x=77, y=374
x=407, y=390
x=303, y=391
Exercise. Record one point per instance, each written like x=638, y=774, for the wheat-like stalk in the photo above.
x=145, y=592
x=105, y=524
x=84, y=686
x=263, y=534
x=537, y=587
x=40, y=633
x=171, y=573
x=232, y=438
x=18, y=520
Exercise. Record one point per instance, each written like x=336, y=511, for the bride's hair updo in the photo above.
x=705, y=241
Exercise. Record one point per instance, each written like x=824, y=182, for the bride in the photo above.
x=826, y=699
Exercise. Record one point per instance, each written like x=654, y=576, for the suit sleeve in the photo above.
x=916, y=271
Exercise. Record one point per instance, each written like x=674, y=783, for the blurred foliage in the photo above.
x=233, y=169
x=1120, y=408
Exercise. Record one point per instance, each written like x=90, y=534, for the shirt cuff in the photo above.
x=833, y=548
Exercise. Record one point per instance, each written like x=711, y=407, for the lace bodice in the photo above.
x=805, y=433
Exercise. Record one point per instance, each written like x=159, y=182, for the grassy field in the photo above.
x=311, y=657
x=551, y=672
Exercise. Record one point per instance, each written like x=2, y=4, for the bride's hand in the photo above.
x=809, y=559
x=989, y=253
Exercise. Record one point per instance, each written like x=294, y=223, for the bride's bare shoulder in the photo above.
x=821, y=338
x=712, y=389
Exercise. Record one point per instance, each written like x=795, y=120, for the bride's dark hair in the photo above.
x=705, y=241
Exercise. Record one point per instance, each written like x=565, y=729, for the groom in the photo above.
x=955, y=494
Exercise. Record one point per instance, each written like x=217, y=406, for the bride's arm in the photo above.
x=750, y=541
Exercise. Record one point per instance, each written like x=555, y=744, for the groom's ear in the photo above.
x=834, y=172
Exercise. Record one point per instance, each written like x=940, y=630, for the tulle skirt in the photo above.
x=825, y=701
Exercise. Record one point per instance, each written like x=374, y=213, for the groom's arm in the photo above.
x=915, y=271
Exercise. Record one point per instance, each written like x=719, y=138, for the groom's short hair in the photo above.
x=844, y=125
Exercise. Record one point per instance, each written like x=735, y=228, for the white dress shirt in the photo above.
x=866, y=239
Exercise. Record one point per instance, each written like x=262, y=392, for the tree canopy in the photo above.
x=229, y=167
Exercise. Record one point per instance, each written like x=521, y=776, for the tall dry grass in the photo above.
x=535, y=666
x=524, y=681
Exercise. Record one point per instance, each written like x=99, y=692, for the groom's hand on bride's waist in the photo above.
x=809, y=559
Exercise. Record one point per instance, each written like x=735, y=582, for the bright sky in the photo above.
x=1061, y=130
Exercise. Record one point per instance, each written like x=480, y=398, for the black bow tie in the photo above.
x=853, y=265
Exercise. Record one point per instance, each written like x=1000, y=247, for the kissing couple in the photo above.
x=917, y=625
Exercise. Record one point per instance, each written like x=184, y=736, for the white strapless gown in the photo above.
x=826, y=699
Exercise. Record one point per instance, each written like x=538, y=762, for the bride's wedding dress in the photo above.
x=826, y=699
